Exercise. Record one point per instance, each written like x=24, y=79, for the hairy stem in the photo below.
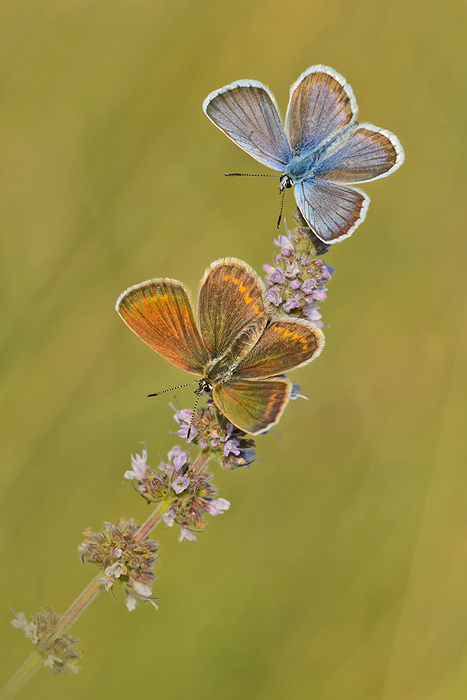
x=36, y=660
x=200, y=461
x=23, y=674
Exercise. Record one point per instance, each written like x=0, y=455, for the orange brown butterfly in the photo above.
x=235, y=347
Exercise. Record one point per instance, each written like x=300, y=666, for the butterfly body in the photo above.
x=322, y=150
x=222, y=367
x=301, y=168
x=235, y=348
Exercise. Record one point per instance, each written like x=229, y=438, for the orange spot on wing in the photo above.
x=287, y=333
x=278, y=329
x=255, y=309
x=242, y=288
x=234, y=280
x=302, y=340
x=248, y=299
x=226, y=278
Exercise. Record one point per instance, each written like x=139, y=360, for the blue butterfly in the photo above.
x=322, y=150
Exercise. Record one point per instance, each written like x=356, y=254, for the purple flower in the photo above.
x=178, y=457
x=291, y=304
x=275, y=275
x=169, y=517
x=218, y=506
x=183, y=418
x=180, y=484
x=215, y=435
x=284, y=243
x=122, y=557
x=297, y=269
x=139, y=467
x=292, y=269
x=295, y=395
x=308, y=286
x=186, y=534
x=231, y=446
x=274, y=297
x=312, y=314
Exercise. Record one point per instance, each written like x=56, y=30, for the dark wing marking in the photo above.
x=284, y=345
x=253, y=406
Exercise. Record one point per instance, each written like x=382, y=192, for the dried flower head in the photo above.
x=183, y=489
x=213, y=433
x=122, y=558
x=296, y=282
x=59, y=653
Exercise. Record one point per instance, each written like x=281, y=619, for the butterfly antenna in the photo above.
x=158, y=393
x=192, y=417
x=247, y=175
x=280, y=213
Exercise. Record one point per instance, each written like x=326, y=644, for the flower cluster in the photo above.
x=211, y=431
x=183, y=489
x=122, y=557
x=296, y=282
x=60, y=653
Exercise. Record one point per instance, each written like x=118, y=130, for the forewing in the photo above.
x=284, y=345
x=232, y=308
x=247, y=113
x=253, y=406
x=321, y=105
x=160, y=313
x=368, y=154
x=332, y=211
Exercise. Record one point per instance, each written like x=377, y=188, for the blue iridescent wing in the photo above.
x=322, y=107
x=368, y=154
x=333, y=211
x=247, y=113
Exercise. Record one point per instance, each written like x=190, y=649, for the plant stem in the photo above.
x=23, y=674
x=200, y=461
x=76, y=608
x=150, y=523
x=36, y=660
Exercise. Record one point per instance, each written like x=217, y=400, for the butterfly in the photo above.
x=322, y=150
x=236, y=348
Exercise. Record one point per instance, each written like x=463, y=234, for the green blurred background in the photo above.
x=340, y=572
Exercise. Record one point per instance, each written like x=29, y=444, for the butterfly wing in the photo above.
x=160, y=313
x=253, y=406
x=232, y=308
x=331, y=210
x=246, y=111
x=321, y=106
x=368, y=154
x=284, y=345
